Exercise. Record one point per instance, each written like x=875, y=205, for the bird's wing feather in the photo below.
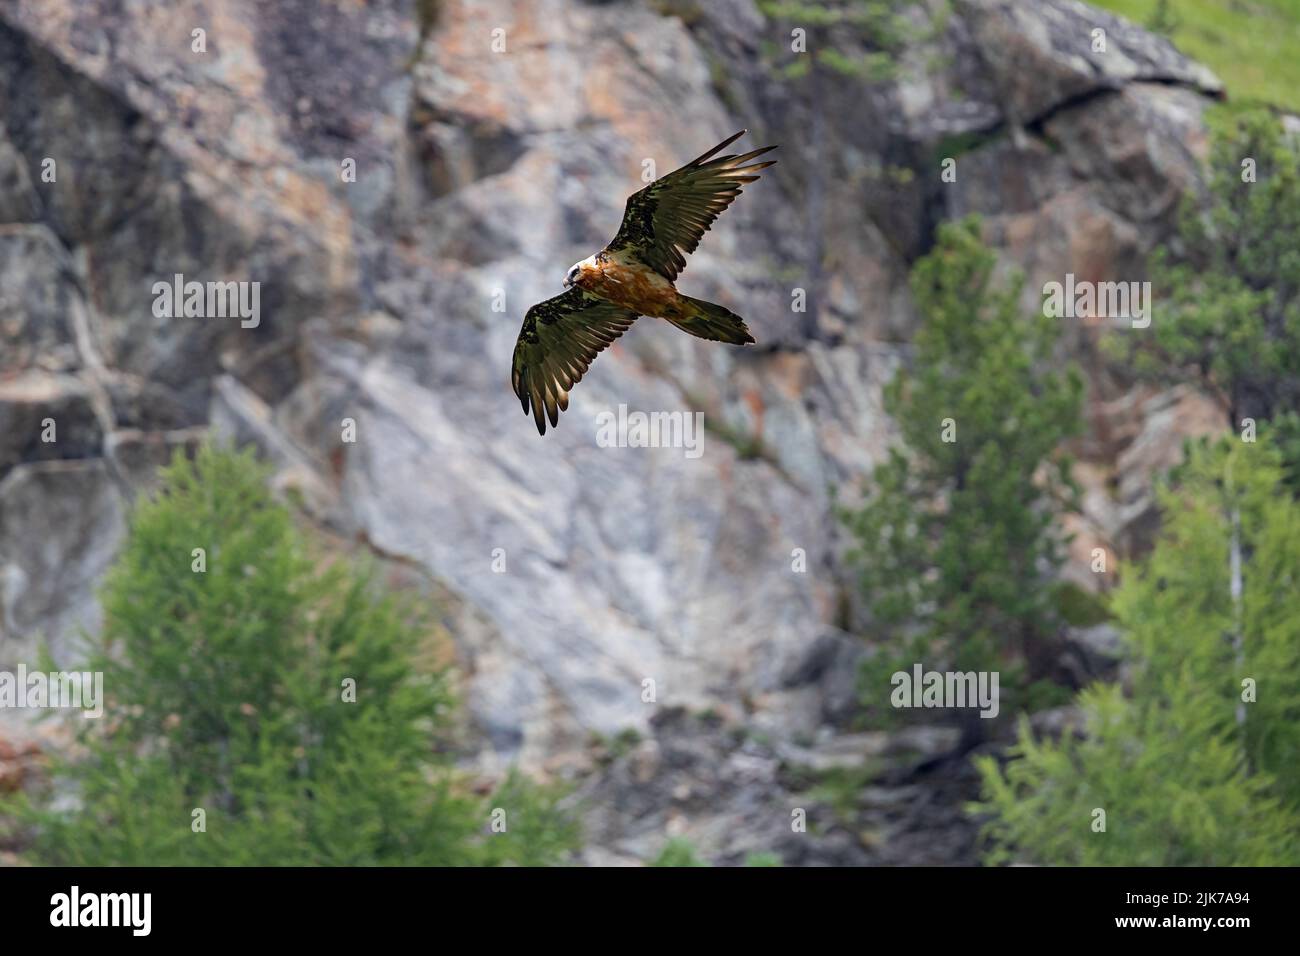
x=664, y=222
x=559, y=339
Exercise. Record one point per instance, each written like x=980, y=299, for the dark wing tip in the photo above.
x=738, y=162
x=539, y=416
x=725, y=143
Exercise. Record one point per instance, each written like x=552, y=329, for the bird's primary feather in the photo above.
x=665, y=221
x=556, y=345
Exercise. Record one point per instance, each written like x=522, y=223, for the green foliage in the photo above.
x=678, y=852
x=538, y=832
x=840, y=788
x=879, y=25
x=225, y=693
x=1186, y=772
x=1080, y=608
x=688, y=11
x=1284, y=432
x=954, y=145
x=1227, y=307
x=1163, y=20
x=608, y=749
x=956, y=537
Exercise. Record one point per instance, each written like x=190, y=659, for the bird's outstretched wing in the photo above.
x=557, y=343
x=665, y=221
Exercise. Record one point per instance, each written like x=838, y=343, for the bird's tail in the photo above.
x=709, y=320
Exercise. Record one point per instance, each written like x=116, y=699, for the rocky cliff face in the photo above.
x=571, y=574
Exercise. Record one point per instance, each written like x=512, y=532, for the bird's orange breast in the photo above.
x=631, y=285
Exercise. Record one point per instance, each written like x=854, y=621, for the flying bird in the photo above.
x=632, y=276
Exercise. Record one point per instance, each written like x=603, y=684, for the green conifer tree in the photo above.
x=1200, y=763
x=1227, y=294
x=956, y=541
x=263, y=710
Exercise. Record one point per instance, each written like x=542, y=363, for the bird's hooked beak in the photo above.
x=566, y=282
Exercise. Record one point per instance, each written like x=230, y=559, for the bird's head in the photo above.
x=576, y=270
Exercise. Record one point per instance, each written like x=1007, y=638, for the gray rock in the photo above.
x=36, y=293
x=1091, y=654
x=60, y=525
x=46, y=416
x=1046, y=55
